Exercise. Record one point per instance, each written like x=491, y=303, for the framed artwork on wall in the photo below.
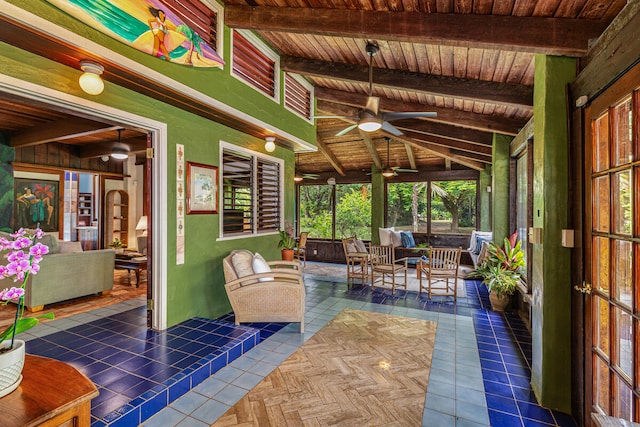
x=36, y=204
x=202, y=189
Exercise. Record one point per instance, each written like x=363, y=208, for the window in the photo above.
x=204, y=18
x=254, y=63
x=251, y=191
x=451, y=210
x=352, y=211
x=298, y=96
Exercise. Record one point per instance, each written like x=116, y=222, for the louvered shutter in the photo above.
x=253, y=66
x=297, y=97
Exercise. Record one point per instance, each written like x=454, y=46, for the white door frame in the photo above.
x=90, y=109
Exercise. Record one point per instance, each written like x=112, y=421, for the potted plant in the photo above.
x=23, y=255
x=500, y=272
x=287, y=241
x=118, y=245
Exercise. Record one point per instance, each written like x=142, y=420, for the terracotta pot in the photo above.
x=11, y=363
x=287, y=254
x=499, y=303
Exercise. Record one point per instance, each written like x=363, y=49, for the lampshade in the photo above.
x=270, y=144
x=90, y=81
x=142, y=224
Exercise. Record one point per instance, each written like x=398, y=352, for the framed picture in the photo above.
x=202, y=189
x=37, y=204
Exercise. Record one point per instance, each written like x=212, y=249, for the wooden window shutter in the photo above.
x=237, y=192
x=253, y=66
x=297, y=97
x=202, y=20
x=268, y=191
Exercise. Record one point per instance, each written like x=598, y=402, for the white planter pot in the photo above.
x=11, y=364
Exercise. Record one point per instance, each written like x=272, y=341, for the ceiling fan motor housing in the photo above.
x=372, y=49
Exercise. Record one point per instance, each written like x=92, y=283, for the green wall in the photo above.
x=378, y=195
x=551, y=279
x=484, y=206
x=195, y=288
x=7, y=155
x=500, y=187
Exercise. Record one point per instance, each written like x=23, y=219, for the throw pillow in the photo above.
x=479, y=242
x=360, y=246
x=396, y=239
x=474, y=235
x=351, y=247
x=407, y=239
x=260, y=265
x=385, y=236
x=65, y=247
x=242, y=263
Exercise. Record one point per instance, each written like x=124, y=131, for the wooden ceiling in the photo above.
x=470, y=61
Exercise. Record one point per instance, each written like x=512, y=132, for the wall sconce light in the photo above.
x=90, y=81
x=104, y=158
x=270, y=144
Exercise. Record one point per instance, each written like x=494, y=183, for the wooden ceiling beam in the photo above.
x=328, y=154
x=506, y=94
x=449, y=143
x=467, y=119
x=553, y=36
x=368, y=142
x=411, y=156
x=58, y=130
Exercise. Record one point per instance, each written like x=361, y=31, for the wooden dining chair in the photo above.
x=357, y=258
x=300, y=251
x=387, y=267
x=441, y=271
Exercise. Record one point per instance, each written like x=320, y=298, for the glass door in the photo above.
x=613, y=254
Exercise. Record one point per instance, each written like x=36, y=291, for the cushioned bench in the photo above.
x=478, y=244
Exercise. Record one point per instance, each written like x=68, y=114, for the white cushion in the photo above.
x=474, y=234
x=261, y=266
x=242, y=263
x=385, y=236
x=396, y=238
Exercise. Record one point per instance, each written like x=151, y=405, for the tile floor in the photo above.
x=192, y=373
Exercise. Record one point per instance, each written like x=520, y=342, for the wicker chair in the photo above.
x=357, y=260
x=274, y=296
x=300, y=250
x=384, y=263
x=441, y=269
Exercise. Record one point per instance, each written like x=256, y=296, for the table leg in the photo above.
x=137, y=277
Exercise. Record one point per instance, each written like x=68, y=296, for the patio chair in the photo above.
x=357, y=257
x=300, y=250
x=261, y=291
x=441, y=271
x=385, y=264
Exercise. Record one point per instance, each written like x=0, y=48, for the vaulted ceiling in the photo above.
x=470, y=61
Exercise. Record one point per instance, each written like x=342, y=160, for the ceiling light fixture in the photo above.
x=90, y=81
x=297, y=178
x=369, y=122
x=119, y=150
x=270, y=144
x=387, y=172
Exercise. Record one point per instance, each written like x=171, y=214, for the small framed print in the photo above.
x=202, y=189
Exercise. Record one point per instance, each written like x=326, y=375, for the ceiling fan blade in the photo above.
x=386, y=126
x=407, y=115
x=373, y=104
x=347, y=130
x=405, y=170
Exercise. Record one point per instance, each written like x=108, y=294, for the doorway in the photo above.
x=612, y=250
x=59, y=101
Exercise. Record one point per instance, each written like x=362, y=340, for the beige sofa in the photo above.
x=67, y=272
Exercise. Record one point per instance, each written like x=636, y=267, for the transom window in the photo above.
x=298, y=96
x=254, y=63
x=252, y=196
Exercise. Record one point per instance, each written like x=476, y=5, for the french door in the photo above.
x=612, y=250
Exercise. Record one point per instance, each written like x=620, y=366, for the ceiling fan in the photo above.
x=391, y=171
x=299, y=177
x=370, y=119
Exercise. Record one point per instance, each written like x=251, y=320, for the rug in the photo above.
x=339, y=272
x=361, y=369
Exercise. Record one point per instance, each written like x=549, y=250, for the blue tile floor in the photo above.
x=192, y=373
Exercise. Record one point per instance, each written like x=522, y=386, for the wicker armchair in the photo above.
x=273, y=296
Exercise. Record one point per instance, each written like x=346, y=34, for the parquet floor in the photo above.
x=362, y=369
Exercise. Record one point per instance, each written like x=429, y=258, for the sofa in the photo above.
x=67, y=272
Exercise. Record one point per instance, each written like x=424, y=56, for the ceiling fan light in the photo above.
x=297, y=178
x=388, y=173
x=120, y=153
x=369, y=124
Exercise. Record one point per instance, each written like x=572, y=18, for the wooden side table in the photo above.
x=52, y=393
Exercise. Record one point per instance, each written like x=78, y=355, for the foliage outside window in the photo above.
x=452, y=206
x=352, y=211
x=251, y=192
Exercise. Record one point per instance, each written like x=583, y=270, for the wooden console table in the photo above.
x=52, y=393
